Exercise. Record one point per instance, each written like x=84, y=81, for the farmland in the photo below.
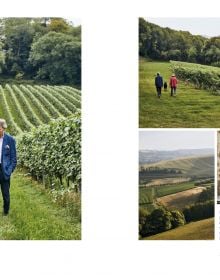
x=193, y=106
x=149, y=193
x=156, y=183
x=40, y=100
x=180, y=199
x=175, y=192
x=46, y=123
x=25, y=106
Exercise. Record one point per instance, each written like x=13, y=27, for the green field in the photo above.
x=147, y=195
x=201, y=230
x=33, y=214
x=190, y=108
x=171, y=189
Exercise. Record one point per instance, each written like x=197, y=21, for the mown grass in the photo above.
x=190, y=108
x=34, y=216
x=201, y=230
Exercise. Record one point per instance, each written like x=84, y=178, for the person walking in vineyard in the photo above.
x=8, y=161
x=158, y=84
x=173, y=85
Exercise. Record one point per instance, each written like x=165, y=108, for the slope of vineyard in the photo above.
x=203, y=76
x=25, y=106
x=192, y=107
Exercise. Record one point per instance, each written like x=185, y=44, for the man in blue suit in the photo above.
x=8, y=161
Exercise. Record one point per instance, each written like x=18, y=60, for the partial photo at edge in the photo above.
x=179, y=88
x=40, y=128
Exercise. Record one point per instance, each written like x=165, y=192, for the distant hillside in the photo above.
x=167, y=44
x=201, y=230
x=202, y=166
x=151, y=156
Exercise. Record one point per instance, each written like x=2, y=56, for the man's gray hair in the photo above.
x=3, y=123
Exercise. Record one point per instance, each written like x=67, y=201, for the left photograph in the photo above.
x=40, y=128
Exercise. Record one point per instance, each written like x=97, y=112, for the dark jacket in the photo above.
x=159, y=81
x=9, y=158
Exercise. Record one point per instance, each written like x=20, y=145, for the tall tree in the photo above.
x=57, y=57
x=17, y=37
x=58, y=25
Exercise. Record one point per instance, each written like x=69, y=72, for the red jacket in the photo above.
x=173, y=81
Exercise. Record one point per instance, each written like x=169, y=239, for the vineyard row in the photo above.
x=25, y=106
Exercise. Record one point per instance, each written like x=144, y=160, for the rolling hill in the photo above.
x=202, y=166
x=201, y=230
x=152, y=156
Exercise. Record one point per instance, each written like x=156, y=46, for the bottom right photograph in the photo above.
x=177, y=184
x=218, y=167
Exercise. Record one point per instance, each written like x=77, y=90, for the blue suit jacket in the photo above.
x=9, y=158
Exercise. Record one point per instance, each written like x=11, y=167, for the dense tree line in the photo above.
x=166, y=44
x=40, y=48
x=158, y=170
x=199, y=211
x=204, y=181
x=207, y=194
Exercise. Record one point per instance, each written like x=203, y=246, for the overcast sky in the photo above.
x=173, y=140
x=197, y=26
x=75, y=21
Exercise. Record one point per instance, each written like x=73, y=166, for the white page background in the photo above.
x=110, y=248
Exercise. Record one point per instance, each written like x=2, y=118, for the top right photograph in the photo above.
x=179, y=72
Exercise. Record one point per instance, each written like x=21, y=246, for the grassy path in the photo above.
x=33, y=216
x=190, y=108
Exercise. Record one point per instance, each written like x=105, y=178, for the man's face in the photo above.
x=1, y=131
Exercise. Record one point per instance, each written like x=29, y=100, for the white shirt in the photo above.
x=1, y=142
